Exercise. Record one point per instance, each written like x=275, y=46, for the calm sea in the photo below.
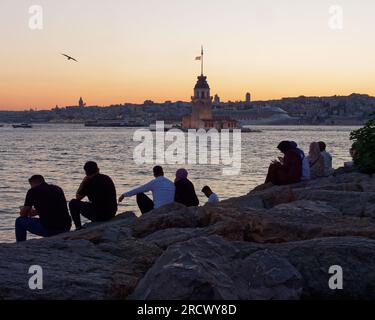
x=59, y=152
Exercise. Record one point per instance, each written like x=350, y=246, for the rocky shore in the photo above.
x=273, y=243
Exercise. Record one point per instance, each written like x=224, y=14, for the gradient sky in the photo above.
x=130, y=51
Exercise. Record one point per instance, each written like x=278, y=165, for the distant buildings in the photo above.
x=81, y=104
x=248, y=98
x=336, y=110
x=216, y=99
x=149, y=103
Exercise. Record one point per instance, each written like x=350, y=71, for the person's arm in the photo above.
x=33, y=213
x=145, y=188
x=287, y=162
x=81, y=192
x=27, y=209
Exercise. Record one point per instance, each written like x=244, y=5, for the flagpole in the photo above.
x=202, y=61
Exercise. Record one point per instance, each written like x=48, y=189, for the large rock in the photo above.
x=223, y=220
x=314, y=258
x=75, y=269
x=97, y=232
x=167, y=237
x=348, y=202
x=212, y=268
x=167, y=217
x=264, y=196
x=303, y=220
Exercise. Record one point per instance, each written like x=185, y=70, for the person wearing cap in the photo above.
x=185, y=191
x=288, y=169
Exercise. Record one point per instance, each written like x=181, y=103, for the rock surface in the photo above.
x=274, y=243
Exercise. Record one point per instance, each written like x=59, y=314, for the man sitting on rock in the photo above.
x=163, y=192
x=48, y=202
x=101, y=192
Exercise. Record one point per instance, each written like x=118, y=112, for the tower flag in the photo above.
x=200, y=58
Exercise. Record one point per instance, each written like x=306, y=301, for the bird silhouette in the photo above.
x=69, y=57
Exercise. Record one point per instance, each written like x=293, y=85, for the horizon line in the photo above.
x=2, y=109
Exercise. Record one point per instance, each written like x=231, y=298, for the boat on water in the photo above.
x=249, y=130
x=231, y=130
x=22, y=126
x=166, y=127
x=110, y=124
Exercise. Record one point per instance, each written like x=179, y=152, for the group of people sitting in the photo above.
x=45, y=212
x=294, y=166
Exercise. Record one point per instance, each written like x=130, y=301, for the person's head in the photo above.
x=91, y=168
x=181, y=174
x=284, y=146
x=158, y=171
x=314, y=150
x=293, y=144
x=207, y=191
x=36, y=180
x=322, y=146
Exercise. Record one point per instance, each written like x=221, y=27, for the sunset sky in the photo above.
x=134, y=50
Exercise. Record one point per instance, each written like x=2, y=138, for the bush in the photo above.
x=364, y=143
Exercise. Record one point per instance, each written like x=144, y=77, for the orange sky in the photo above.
x=131, y=51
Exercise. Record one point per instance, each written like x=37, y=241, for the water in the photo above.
x=59, y=152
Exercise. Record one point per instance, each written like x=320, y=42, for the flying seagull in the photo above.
x=69, y=57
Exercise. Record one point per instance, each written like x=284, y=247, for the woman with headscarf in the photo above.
x=288, y=169
x=316, y=159
x=185, y=191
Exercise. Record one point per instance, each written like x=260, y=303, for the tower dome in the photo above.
x=202, y=83
x=202, y=89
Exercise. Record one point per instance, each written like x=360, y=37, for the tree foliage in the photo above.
x=364, y=143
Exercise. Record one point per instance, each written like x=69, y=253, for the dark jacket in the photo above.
x=291, y=170
x=287, y=172
x=185, y=193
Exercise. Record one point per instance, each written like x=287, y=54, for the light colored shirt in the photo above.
x=163, y=191
x=327, y=163
x=213, y=198
x=306, y=174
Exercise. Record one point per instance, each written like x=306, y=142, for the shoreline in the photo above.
x=9, y=123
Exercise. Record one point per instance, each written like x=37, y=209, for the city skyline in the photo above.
x=137, y=51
